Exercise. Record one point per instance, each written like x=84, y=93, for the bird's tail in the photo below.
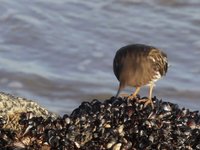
x=119, y=89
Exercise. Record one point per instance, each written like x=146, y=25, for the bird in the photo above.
x=137, y=65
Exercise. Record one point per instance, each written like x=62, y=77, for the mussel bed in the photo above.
x=116, y=124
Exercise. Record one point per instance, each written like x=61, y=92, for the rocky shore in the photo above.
x=115, y=124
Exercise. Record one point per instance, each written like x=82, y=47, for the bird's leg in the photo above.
x=121, y=86
x=149, y=100
x=134, y=94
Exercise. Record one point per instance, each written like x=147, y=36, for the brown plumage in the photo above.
x=138, y=65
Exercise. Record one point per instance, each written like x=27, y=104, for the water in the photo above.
x=60, y=53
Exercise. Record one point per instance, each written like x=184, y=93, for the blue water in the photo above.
x=60, y=53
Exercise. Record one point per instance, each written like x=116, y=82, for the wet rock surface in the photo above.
x=116, y=124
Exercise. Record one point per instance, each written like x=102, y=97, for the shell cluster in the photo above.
x=115, y=124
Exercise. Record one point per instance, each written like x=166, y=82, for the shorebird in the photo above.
x=137, y=65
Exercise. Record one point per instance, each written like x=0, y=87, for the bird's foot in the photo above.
x=147, y=102
x=133, y=96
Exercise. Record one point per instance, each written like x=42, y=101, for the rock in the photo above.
x=11, y=108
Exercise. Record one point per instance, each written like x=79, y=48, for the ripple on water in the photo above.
x=59, y=51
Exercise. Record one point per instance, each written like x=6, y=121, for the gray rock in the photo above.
x=11, y=107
